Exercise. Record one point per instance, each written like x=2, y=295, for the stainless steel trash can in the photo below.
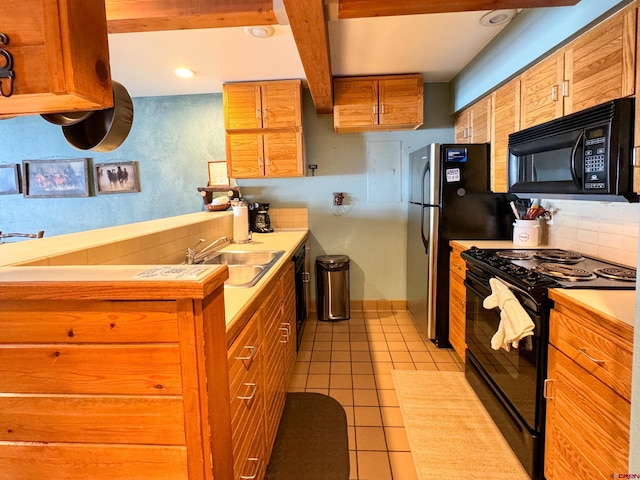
x=332, y=287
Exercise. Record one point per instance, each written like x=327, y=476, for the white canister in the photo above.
x=241, y=223
x=526, y=233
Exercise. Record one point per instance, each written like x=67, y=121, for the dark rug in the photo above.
x=311, y=442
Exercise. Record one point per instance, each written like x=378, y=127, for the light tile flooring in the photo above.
x=351, y=360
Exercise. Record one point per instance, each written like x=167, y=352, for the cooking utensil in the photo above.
x=104, y=130
x=66, y=118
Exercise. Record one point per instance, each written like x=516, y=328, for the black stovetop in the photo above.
x=551, y=268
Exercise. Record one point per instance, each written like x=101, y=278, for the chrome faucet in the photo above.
x=194, y=256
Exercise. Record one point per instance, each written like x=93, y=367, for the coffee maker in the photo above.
x=259, y=221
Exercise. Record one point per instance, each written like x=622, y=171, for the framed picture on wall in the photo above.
x=57, y=178
x=218, y=173
x=116, y=177
x=9, y=178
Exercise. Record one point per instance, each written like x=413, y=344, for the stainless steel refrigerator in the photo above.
x=449, y=199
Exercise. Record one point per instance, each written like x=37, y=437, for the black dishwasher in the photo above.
x=301, y=280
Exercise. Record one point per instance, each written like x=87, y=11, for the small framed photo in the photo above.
x=9, y=179
x=57, y=178
x=116, y=177
x=218, y=173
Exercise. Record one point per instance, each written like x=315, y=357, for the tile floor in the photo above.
x=351, y=360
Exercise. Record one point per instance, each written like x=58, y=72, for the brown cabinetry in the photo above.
x=596, y=67
x=457, y=300
x=261, y=361
x=125, y=383
x=263, y=122
x=473, y=125
x=60, y=56
x=588, y=391
x=393, y=102
x=505, y=120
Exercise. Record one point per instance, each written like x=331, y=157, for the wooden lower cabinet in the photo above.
x=113, y=389
x=588, y=391
x=261, y=361
x=457, y=301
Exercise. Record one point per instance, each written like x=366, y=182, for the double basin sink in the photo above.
x=246, y=268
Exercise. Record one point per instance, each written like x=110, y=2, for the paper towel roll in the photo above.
x=240, y=223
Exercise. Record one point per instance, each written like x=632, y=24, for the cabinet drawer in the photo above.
x=587, y=342
x=243, y=354
x=456, y=264
x=587, y=423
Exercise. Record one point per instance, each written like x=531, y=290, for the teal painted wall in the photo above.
x=531, y=34
x=173, y=138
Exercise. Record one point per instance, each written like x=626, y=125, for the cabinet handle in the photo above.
x=264, y=113
x=254, y=389
x=258, y=113
x=305, y=277
x=565, y=88
x=545, y=388
x=266, y=161
x=286, y=334
x=255, y=460
x=457, y=266
x=554, y=93
x=251, y=349
x=583, y=351
x=382, y=109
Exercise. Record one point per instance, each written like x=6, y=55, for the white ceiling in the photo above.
x=436, y=45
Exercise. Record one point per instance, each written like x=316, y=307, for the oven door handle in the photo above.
x=471, y=278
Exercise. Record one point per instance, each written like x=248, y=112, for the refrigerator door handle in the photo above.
x=425, y=242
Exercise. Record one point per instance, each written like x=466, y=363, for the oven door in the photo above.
x=515, y=375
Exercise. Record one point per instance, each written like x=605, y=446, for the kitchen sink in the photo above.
x=246, y=268
x=245, y=257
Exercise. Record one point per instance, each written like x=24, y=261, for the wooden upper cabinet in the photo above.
x=60, y=56
x=253, y=105
x=541, y=91
x=473, y=125
x=596, y=67
x=505, y=120
x=273, y=154
x=393, y=102
x=600, y=65
x=263, y=122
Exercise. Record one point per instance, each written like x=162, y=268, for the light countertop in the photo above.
x=616, y=304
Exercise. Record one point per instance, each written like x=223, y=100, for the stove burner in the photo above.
x=515, y=254
x=617, y=273
x=567, y=272
x=559, y=256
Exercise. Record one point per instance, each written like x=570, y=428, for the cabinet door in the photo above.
x=457, y=303
x=242, y=106
x=355, y=103
x=283, y=154
x=587, y=424
x=281, y=104
x=56, y=69
x=289, y=321
x=461, y=127
x=401, y=101
x=541, y=91
x=244, y=155
x=600, y=65
x=505, y=120
x=480, y=121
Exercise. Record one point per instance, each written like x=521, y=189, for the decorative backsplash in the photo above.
x=602, y=229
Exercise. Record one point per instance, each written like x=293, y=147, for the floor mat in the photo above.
x=450, y=433
x=312, y=442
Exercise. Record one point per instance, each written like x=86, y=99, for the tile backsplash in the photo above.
x=606, y=230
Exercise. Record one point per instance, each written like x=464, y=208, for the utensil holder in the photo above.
x=526, y=233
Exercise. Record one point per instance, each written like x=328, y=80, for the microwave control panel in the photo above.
x=596, y=153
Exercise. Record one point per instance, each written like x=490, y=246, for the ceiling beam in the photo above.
x=309, y=29
x=381, y=8
x=150, y=15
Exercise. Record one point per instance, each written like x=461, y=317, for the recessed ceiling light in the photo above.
x=183, y=72
x=263, y=31
x=497, y=17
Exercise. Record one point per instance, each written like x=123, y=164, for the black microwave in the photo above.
x=585, y=155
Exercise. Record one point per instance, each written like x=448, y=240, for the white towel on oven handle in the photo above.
x=515, y=324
